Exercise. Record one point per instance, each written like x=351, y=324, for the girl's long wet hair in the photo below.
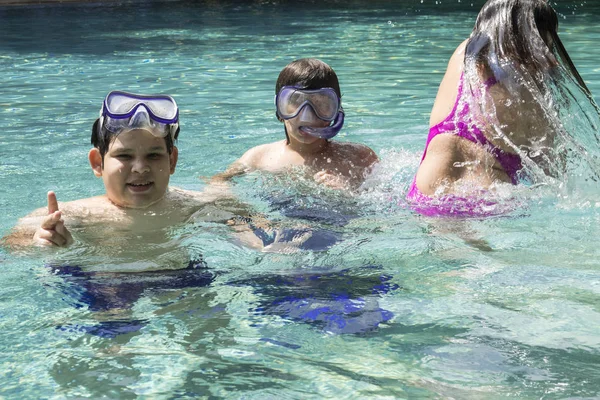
x=515, y=43
x=307, y=73
x=522, y=31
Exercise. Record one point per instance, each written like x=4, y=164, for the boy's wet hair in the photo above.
x=102, y=138
x=307, y=73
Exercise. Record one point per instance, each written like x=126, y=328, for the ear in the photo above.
x=173, y=158
x=95, y=159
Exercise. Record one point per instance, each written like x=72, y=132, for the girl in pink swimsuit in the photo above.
x=508, y=74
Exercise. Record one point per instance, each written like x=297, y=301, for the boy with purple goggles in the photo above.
x=134, y=154
x=308, y=103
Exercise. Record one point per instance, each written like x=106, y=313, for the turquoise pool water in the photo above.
x=398, y=307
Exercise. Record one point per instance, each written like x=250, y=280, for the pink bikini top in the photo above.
x=460, y=123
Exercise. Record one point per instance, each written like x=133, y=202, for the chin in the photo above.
x=305, y=138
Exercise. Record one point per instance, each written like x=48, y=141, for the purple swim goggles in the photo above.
x=122, y=110
x=325, y=104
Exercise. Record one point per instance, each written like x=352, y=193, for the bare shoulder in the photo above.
x=455, y=68
x=74, y=209
x=83, y=211
x=359, y=154
x=448, y=89
x=459, y=53
x=253, y=157
x=86, y=205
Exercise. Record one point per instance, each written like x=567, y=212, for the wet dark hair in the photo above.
x=307, y=73
x=522, y=31
x=102, y=138
x=515, y=44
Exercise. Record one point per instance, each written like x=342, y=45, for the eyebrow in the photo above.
x=131, y=150
x=157, y=148
x=121, y=150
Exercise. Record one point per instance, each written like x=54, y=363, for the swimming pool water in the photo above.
x=397, y=306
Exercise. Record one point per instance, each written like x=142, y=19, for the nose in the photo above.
x=140, y=166
x=307, y=114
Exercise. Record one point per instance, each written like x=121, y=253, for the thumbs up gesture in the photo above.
x=52, y=231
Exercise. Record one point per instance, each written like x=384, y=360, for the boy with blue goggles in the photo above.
x=308, y=103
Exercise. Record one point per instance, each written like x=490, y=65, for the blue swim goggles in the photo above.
x=292, y=101
x=122, y=110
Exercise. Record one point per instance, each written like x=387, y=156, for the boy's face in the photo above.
x=136, y=168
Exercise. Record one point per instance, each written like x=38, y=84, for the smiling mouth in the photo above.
x=140, y=186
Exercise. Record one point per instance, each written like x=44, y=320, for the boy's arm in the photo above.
x=246, y=163
x=235, y=169
x=40, y=229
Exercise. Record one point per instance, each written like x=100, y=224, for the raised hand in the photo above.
x=52, y=231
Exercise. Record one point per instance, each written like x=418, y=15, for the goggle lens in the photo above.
x=325, y=102
x=124, y=105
